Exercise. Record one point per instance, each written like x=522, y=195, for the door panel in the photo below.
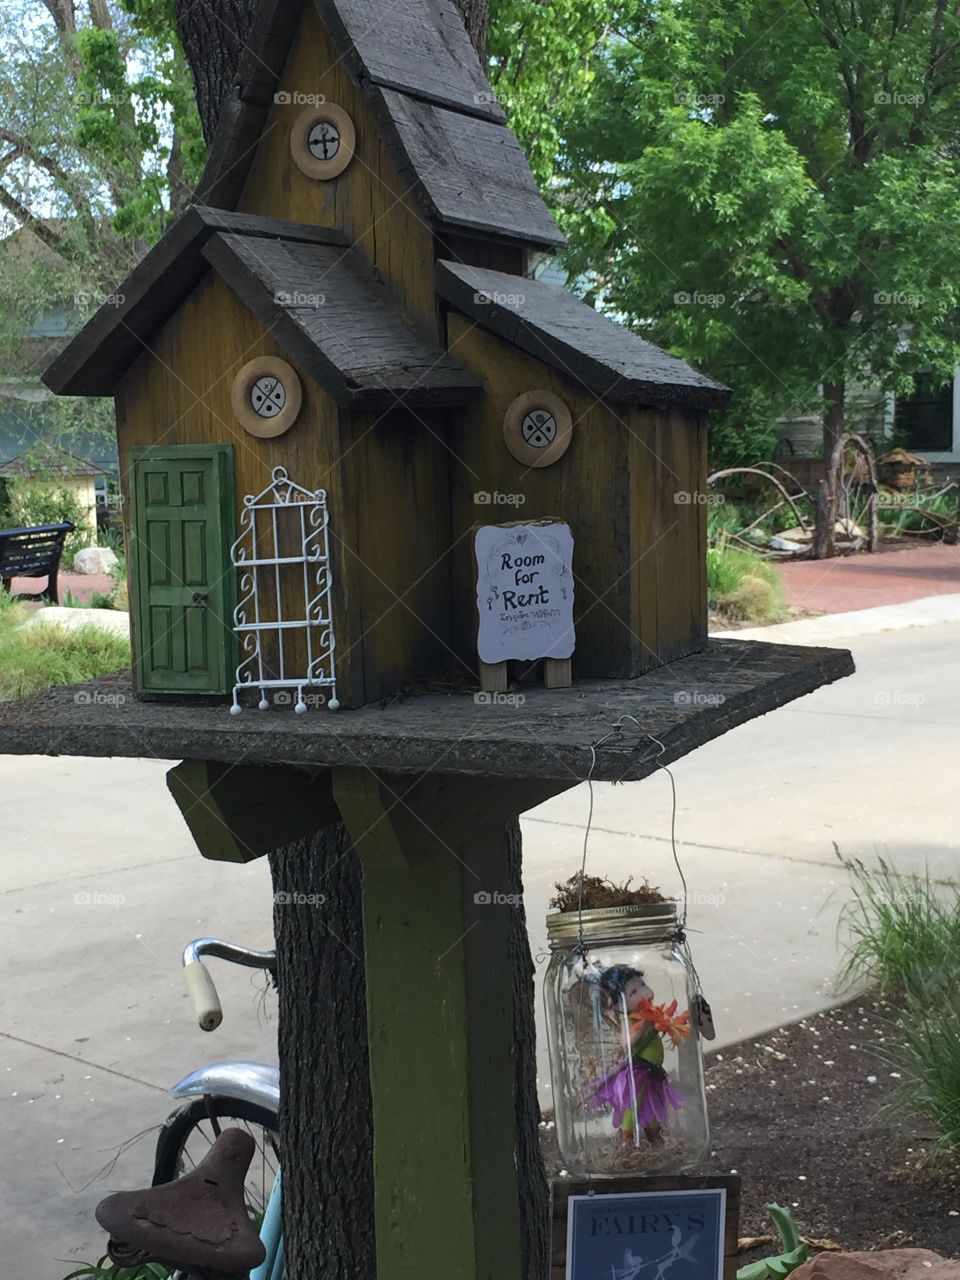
x=182, y=579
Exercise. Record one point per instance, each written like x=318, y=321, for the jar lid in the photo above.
x=655, y=919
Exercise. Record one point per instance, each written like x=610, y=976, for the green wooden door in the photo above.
x=181, y=531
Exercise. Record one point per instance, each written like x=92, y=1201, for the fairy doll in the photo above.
x=637, y=1087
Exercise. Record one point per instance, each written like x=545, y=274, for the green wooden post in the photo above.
x=440, y=984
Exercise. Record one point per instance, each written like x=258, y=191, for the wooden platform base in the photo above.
x=546, y=734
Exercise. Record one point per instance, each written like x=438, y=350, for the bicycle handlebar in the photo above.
x=200, y=985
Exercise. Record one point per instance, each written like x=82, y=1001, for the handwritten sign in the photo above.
x=525, y=591
x=647, y=1235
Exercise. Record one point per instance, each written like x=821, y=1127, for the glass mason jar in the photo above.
x=625, y=1051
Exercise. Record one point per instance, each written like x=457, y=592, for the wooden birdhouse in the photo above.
x=339, y=362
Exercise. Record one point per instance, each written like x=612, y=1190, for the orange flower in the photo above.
x=665, y=1019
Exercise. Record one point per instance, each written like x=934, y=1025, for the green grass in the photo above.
x=743, y=586
x=35, y=658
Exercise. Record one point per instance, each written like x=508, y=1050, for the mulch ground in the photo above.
x=812, y=1116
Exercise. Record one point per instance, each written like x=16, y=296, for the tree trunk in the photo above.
x=326, y=1138
x=534, y=1191
x=476, y=17
x=834, y=412
x=213, y=37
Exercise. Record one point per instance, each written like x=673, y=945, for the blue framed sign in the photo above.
x=645, y=1230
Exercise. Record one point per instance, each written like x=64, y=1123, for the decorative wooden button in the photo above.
x=537, y=428
x=322, y=141
x=266, y=397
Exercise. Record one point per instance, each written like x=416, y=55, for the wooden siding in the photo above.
x=178, y=392
x=640, y=598
x=368, y=201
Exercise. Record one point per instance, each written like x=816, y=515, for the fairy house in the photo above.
x=338, y=362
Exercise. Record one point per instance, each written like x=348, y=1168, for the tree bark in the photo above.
x=834, y=414
x=534, y=1191
x=476, y=18
x=326, y=1137
x=213, y=37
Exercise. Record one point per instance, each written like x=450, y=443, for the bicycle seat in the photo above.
x=198, y=1223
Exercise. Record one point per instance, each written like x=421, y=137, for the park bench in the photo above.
x=33, y=553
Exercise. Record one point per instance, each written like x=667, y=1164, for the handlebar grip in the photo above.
x=203, y=993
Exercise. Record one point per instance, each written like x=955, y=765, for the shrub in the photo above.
x=743, y=586
x=33, y=502
x=34, y=658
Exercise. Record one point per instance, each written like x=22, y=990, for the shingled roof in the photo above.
x=559, y=328
x=313, y=294
x=441, y=122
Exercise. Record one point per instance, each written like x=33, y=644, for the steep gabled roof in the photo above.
x=419, y=47
x=553, y=325
x=442, y=125
x=313, y=294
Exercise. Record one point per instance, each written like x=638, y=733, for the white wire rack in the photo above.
x=283, y=560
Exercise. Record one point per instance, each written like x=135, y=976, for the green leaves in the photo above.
x=795, y=167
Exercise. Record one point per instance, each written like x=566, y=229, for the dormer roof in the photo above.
x=561, y=329
x=313, y=294
x=441, y=123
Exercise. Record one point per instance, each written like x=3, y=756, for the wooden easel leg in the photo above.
x=557, y=673
x=452, y=1197
x=494, y=677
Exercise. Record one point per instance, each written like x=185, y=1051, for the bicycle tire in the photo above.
x=176, y=1130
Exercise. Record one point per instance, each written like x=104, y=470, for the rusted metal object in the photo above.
x=198, y=1223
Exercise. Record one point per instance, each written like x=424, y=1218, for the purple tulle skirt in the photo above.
x=640, y=1087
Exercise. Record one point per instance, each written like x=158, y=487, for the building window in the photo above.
x=924, y=419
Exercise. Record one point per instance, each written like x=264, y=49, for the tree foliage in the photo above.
x=99, y=147
x=772, y=192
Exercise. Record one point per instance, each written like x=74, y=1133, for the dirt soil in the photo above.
x=812, y=1116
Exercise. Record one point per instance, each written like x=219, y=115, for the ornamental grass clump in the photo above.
x=35, y=658
x=905, y=939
